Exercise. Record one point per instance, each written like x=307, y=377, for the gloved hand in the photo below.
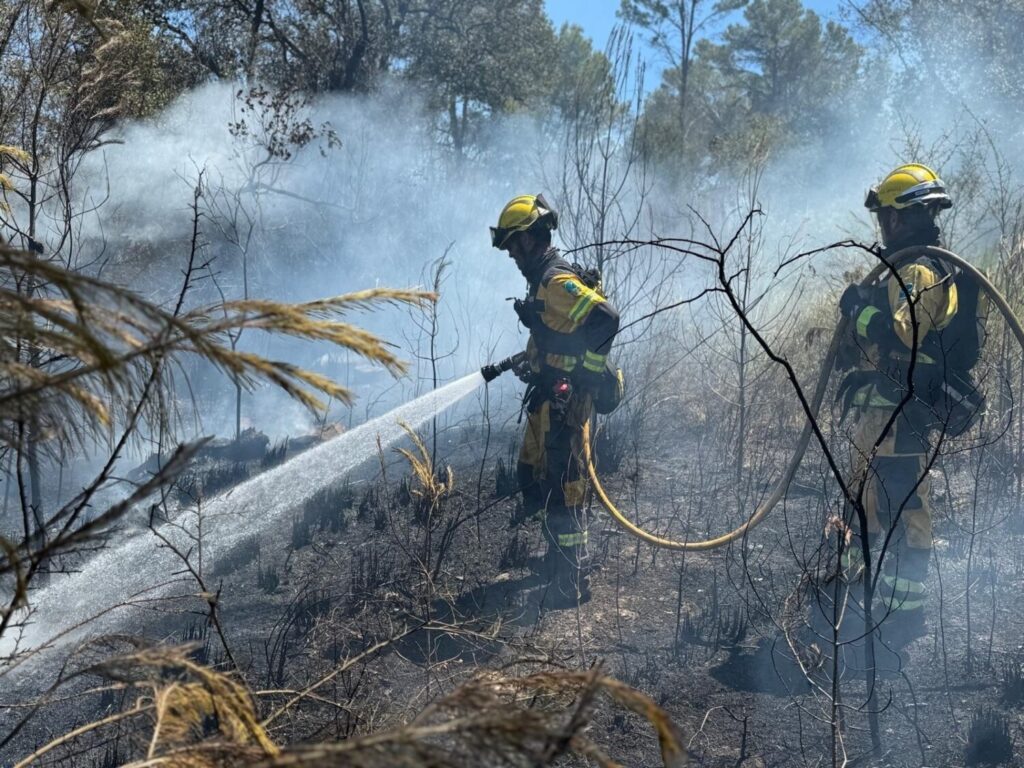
x=523, y=371
x=522, y=309
x=853, y=300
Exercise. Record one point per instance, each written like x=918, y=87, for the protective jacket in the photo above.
x=922, y=316
x=925, y=315
x=571, y=324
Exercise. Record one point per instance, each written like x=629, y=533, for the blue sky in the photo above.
x=597, y=17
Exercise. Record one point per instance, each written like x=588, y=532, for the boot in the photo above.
x=902, y=592
x=567, y=584
x=904, y=627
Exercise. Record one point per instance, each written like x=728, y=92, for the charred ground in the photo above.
x=709, y=637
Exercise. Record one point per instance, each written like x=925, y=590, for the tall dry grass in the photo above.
x=185, y=715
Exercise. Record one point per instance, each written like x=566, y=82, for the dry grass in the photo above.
x=431, y=489
x=92, y=342
x=7, y=154
x=189, y=715
x=80, y=357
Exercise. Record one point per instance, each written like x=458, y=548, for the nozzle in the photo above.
x=491, y=371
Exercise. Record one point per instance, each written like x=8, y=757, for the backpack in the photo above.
x=951, y=391
x=945, y=389
x=612, y=388
x=967, y=329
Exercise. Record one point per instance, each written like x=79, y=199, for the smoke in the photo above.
x=381, y=209
x=389, y=202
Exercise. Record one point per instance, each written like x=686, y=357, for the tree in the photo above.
x=675, y=27
x=962, y=51
x=790, y=67
x=580, y=78
x=309, y=45
x=64, y=80
x=476, y=58
x=777, y=78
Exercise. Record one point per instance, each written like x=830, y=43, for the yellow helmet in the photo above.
x=909, y=185
x=519, y=215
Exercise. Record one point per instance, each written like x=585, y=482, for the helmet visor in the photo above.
x=498, y=237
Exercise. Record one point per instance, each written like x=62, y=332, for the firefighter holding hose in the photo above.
x=913, y=340
x=572, y=326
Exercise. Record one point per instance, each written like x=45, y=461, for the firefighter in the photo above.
x=572, y=326
x=929, y=316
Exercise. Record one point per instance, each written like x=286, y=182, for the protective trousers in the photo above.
x=895, y=499
x=550, y=472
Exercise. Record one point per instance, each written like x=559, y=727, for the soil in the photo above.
x=717, y=639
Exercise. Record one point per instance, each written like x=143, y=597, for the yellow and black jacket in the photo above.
x=572, y=325
x=925, y=315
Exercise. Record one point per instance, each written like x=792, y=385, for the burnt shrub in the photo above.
x=326, y=509
x=107, y=700
x=644, y=675
x=372, y=507
x=210, y=482
x=275, y=455
x=301, y=536
x=1011, y=682
x=369, y=573
x=505, y=481
x=404, y=495
x=112, y=756
x=610, y=446
x=515, y=554
x=267, y=579
x=197, y=632
x=714, y=625
x=988, y=739
x=239, y=556
x=310, y=607
x=367, y=504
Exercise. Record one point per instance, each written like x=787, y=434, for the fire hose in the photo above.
x=762, y=511
x=814, y=405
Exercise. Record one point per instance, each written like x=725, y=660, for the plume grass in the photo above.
x=92, y=343
x=196, y=717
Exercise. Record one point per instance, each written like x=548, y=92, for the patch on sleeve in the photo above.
x=572, y=287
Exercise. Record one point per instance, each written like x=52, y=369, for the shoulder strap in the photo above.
x=967, y=331
x=589, y=276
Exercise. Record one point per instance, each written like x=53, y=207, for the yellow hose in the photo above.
x=759, y=514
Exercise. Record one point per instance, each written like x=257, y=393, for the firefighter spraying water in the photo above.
x=565, y=366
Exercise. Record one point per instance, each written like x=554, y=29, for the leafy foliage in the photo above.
x=775, y=79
